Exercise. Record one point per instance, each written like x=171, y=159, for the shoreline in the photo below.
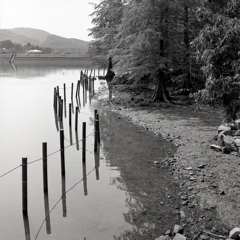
x=209, y=178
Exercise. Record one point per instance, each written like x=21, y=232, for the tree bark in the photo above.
x=187, y=81
x=161, y=94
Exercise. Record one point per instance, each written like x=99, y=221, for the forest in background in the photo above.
x=193, y=44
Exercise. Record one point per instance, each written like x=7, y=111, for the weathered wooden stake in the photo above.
x=79, y=98
x=59, y=107
x=62, y=150
x=95, y=131
x=84, y=141
x=24, y=186
x=45, y=173
x=61, y=114
x=70, y=123
x=76, y=119
x=98, y=128
x=65, y=108
x=54, y=100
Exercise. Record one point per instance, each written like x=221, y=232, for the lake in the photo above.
x=27, y=120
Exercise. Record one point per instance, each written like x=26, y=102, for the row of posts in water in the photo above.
x=59, y=105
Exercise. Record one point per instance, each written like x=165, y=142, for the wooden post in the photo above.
x=83, y=86
x=61, y=114
x=72, y=91
x=54, y=100
x=59, y=107
x=62, y=150
x=45, y=174
x=70, y=123
x=84, y=141
x=98, y=127
x=24, y=186
x=93, y=88
x=79, y=98
x=95, y=131
x=65, y=108
x=76, y=119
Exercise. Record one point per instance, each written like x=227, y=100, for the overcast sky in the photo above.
x=66, y=18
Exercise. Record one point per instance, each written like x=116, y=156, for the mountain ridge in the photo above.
x=41, y=38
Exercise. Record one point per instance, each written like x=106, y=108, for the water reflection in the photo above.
x=101, y=216
x=84, y=178
x=97, y=161
x=131, y=151
x=26, y=226
x=64, y=201
x=47, y=213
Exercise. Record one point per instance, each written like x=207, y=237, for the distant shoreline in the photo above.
x=59, y=59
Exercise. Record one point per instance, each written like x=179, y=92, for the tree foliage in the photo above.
x=145, y=36
x=217, y=48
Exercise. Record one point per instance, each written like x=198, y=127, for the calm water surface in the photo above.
x=27, y=120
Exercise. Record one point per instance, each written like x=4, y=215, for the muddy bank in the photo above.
x=209, y=179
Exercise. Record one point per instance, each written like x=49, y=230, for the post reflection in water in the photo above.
x=77, y=141
x=26, y=226
x=97, y=161
x=47, y=213
x=64, y=202
x=84, y=178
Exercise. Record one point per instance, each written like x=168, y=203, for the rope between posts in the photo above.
x=61, y=199
x=39, y=159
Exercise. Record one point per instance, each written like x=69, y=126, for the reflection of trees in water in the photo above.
x=137, y=215
x=121, y=143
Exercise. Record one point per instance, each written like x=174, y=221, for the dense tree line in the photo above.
x=18, y=48
x=155, y=39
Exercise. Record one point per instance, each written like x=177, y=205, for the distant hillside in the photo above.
x=41, y=38
x=37, y=34
x=55, y=41
x=16, y=38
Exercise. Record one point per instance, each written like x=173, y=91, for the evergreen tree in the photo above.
x=218, y=49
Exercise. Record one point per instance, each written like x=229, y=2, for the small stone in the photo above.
x=188, y=168
x=190, y=188
x=166, y=237
x=178, y=229
x=182, y=214
x=204, y=237
x=234, y=233
x=184, y=203
x=179, y=237
x=216, y=147
x=192, y=179
x=184, y=197
x=168, y=232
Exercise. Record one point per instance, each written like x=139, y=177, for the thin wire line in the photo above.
x=60, y=200
x=39, y=159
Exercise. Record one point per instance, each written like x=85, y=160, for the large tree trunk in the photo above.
x=161, y=94
x=187, y=80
